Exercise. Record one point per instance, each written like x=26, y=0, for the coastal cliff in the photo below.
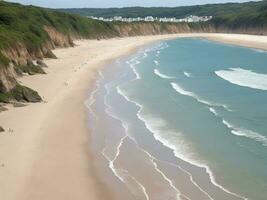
x=156, y=28
x=20, y=60
x=28, y=34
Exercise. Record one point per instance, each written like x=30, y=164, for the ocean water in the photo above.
x=183, y=119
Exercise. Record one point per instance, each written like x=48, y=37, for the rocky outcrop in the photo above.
x=41, y=63
x=20, y=59
x=2, y=129
x=7, y=78
x=24, y=94
x=30, y=68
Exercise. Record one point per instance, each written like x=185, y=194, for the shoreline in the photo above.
x=47, y=156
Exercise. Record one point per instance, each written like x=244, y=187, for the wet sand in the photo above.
x=138, y=162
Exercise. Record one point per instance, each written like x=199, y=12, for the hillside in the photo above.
x=28, y=34
x=250, y=17
x=216, y=10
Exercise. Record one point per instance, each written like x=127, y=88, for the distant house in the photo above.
x=189, y=19
x=149, y=19
x=117, y=18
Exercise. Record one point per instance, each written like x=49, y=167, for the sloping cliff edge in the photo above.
x=20, y=58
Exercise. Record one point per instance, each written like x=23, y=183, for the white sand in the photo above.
x=47, y=156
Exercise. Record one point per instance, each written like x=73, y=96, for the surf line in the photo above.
x=115, y=171
x=184, y=92
x=152, y=158
x=118, y=149
x=91, y=100
x=209, y=172
x=240, y=131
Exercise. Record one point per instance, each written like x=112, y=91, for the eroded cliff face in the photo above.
x=58, y=39
x=7, y=78
x=144, y=28
x=135, y=29
x=20, y=55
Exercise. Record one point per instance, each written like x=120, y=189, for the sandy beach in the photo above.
x=45, y=151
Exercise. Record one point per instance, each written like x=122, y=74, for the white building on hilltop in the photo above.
x=149, y=19
x=189, y=19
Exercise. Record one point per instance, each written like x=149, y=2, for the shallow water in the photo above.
x=183, y=119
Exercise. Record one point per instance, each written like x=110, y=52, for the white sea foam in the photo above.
x=239, y=131
x=180, y=90
x=169, y=139
x=125, y=125
x=132, y=63
x=91, y=100
x=172, y=140
x=212, y=110
x=158, y=73
x=260, y=50
x=190, y=176
x=135, y=72
x=157, y=122
x=157, y=47
x=121, y=174
x=243, y=77
x=156, y=62
x=227, y=124
x=187, y=74
x=145, y=54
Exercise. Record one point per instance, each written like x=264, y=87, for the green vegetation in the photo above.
x=29, y=32
x=30, y=69
x=25, y=25
x=20, y=93
x=3, y=60
x=5, y=97
x=255, y=17
x=24, y=36
x=229, y=15
x=215, y=10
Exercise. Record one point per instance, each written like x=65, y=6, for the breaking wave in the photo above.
x=243, y=77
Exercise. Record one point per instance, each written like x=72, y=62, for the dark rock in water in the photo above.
x=25, y=94
x=1, y=129
x=41, y=63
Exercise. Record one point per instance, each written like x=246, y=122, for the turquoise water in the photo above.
x=205, y=103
